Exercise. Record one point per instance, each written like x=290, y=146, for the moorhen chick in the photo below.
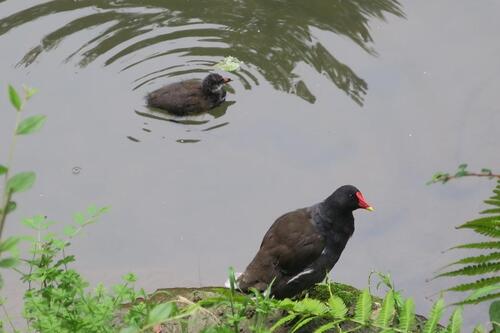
x=190, y=96
x=302, y=246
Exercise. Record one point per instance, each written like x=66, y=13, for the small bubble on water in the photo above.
x=76, y=170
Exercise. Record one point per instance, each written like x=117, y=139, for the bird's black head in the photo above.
x=347, y=198
x=213, y=83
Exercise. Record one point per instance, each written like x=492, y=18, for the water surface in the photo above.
x=378, y=94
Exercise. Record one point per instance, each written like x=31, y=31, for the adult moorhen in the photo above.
x=190, y=96
x=302, y=246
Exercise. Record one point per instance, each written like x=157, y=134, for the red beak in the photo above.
x=227, y=80
x=362, y=202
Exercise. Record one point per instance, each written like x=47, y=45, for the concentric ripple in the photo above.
x=166, y=40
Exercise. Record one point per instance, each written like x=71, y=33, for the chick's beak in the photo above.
x=227, y=80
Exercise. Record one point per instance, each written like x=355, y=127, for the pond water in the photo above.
x=378, y=94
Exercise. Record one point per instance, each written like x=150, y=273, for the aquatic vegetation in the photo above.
x=228, y=64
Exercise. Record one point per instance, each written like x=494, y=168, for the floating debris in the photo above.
x=228, y=64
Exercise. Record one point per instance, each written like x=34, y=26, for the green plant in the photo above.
x=58, y=299
x=19, y=182
x=330, y=314
x=444, y=177
x=484, y=267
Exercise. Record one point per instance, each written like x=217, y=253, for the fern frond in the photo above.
x=386, y=314
x=302, y=323
x=493, y=202
x=476, y=284
x=482, y=245
x=488, y=231
x=482, y=221
x=489, y=226
x=310, y=306
x=455, y=322
x=488, y=267
x=407, y=316
x=283, y=321
x=490, y=211
x=337, y=307
x=324, y=328
x=479, y=299
x=477, y=259
x=363, y=307
x=434, y=317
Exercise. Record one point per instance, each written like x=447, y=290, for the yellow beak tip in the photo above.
x=371, y=209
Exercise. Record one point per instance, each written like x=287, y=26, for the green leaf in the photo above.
x=337, y=307
x=11, y=206
x=15, y=100
x=488, y=267
x=228, y=64
x=455, y=321
x=484, y=291
x=92, y=210
x=434, y=317
x=363, y=307
x=482, y=245
x=8, y=262
x=31, y=124
x=3, y=169
x=130, y=278
x=283, y=321
x=476, y=284
x=21, y=182
x=310, y=306
x=70, y=230
x=232, y=279
x=387, y=312
x=479, y=329
x=407, y=316
x=495, y=316
x=79, y=218
x=478, y=259
x=29, y=91
x=324, y=328
x=303, y=322
x=161, y=313
x=9, y=244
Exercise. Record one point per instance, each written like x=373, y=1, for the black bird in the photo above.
x=190, y=96
x=302, y=246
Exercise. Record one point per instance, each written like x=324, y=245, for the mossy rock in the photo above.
x=214, y=307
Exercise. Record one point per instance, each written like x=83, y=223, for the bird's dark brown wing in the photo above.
x=288, y=247
x=179, y=98
x=293, y=241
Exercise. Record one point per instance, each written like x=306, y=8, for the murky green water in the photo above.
x=373, y=93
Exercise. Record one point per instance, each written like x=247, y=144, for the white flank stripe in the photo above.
x=307, y=271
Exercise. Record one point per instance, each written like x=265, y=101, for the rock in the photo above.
x=213, y=305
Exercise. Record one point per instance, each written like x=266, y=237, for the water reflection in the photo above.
x=272, y=37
